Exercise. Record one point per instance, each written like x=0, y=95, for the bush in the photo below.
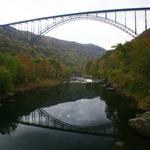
x=6, y=80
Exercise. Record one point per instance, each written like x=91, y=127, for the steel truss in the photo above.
x=35, y=29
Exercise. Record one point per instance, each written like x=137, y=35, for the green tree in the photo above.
x=6, y=80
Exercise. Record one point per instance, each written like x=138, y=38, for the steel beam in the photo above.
x=80, y=13
x=145, y=20
x=135, y=21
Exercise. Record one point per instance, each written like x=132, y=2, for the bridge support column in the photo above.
x=115, y=16
x=105, y=15
x=145, y=20
x=125, y=19
x=135, y=22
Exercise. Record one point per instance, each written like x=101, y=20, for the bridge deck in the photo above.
x=79, y=13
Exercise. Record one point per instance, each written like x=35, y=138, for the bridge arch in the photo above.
x=35, y=30
x=64, y=20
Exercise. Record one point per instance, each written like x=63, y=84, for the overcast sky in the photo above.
x=80, y=31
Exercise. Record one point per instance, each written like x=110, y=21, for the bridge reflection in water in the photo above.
x=40, y=118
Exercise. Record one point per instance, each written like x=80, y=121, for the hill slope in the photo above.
x=72, y=54
x=127, y=68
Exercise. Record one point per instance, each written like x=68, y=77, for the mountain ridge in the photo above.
x=72, y=54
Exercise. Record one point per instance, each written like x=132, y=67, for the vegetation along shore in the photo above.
x=127, y=68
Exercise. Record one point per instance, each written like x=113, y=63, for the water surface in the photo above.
x=74, y=103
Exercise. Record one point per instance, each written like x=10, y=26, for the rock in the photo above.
x=141, y=123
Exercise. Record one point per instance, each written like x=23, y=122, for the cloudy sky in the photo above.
x=80, y=31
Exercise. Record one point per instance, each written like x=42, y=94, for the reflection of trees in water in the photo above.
x=54, y=95
x=8, y=120
x=7, y=128
x=119, y=109
x=30, y=101
x=116, y=106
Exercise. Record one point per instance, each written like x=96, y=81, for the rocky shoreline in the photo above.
x=141, y=123
x=27, y=87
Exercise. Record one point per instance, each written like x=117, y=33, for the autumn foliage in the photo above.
x=127, y=67
x=22, y=68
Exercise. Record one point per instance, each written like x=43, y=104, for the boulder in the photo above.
x=141, y=123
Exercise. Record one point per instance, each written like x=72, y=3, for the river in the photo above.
x=75, y=103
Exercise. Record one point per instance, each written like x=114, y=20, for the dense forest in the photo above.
x=72, y=54
x=23, y=68
x=127, y=68
x=44, y=63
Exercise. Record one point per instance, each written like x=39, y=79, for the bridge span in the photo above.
x=128, y=20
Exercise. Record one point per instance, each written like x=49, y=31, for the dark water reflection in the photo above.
x=83, y=112
x=113, y=108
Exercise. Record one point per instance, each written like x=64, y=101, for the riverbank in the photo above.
x=129, y=78
x=109, y=85
x=139, y=104
x=127, y=69
x=36, y=84
x=141, y=123
x=27, y=86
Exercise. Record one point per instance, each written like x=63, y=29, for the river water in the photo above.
x=80, y=104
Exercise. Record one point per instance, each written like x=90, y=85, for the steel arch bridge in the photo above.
x=129, y=20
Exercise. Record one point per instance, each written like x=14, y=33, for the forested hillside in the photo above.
x=127, y=67
x=49, y=60
x=72, y=54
